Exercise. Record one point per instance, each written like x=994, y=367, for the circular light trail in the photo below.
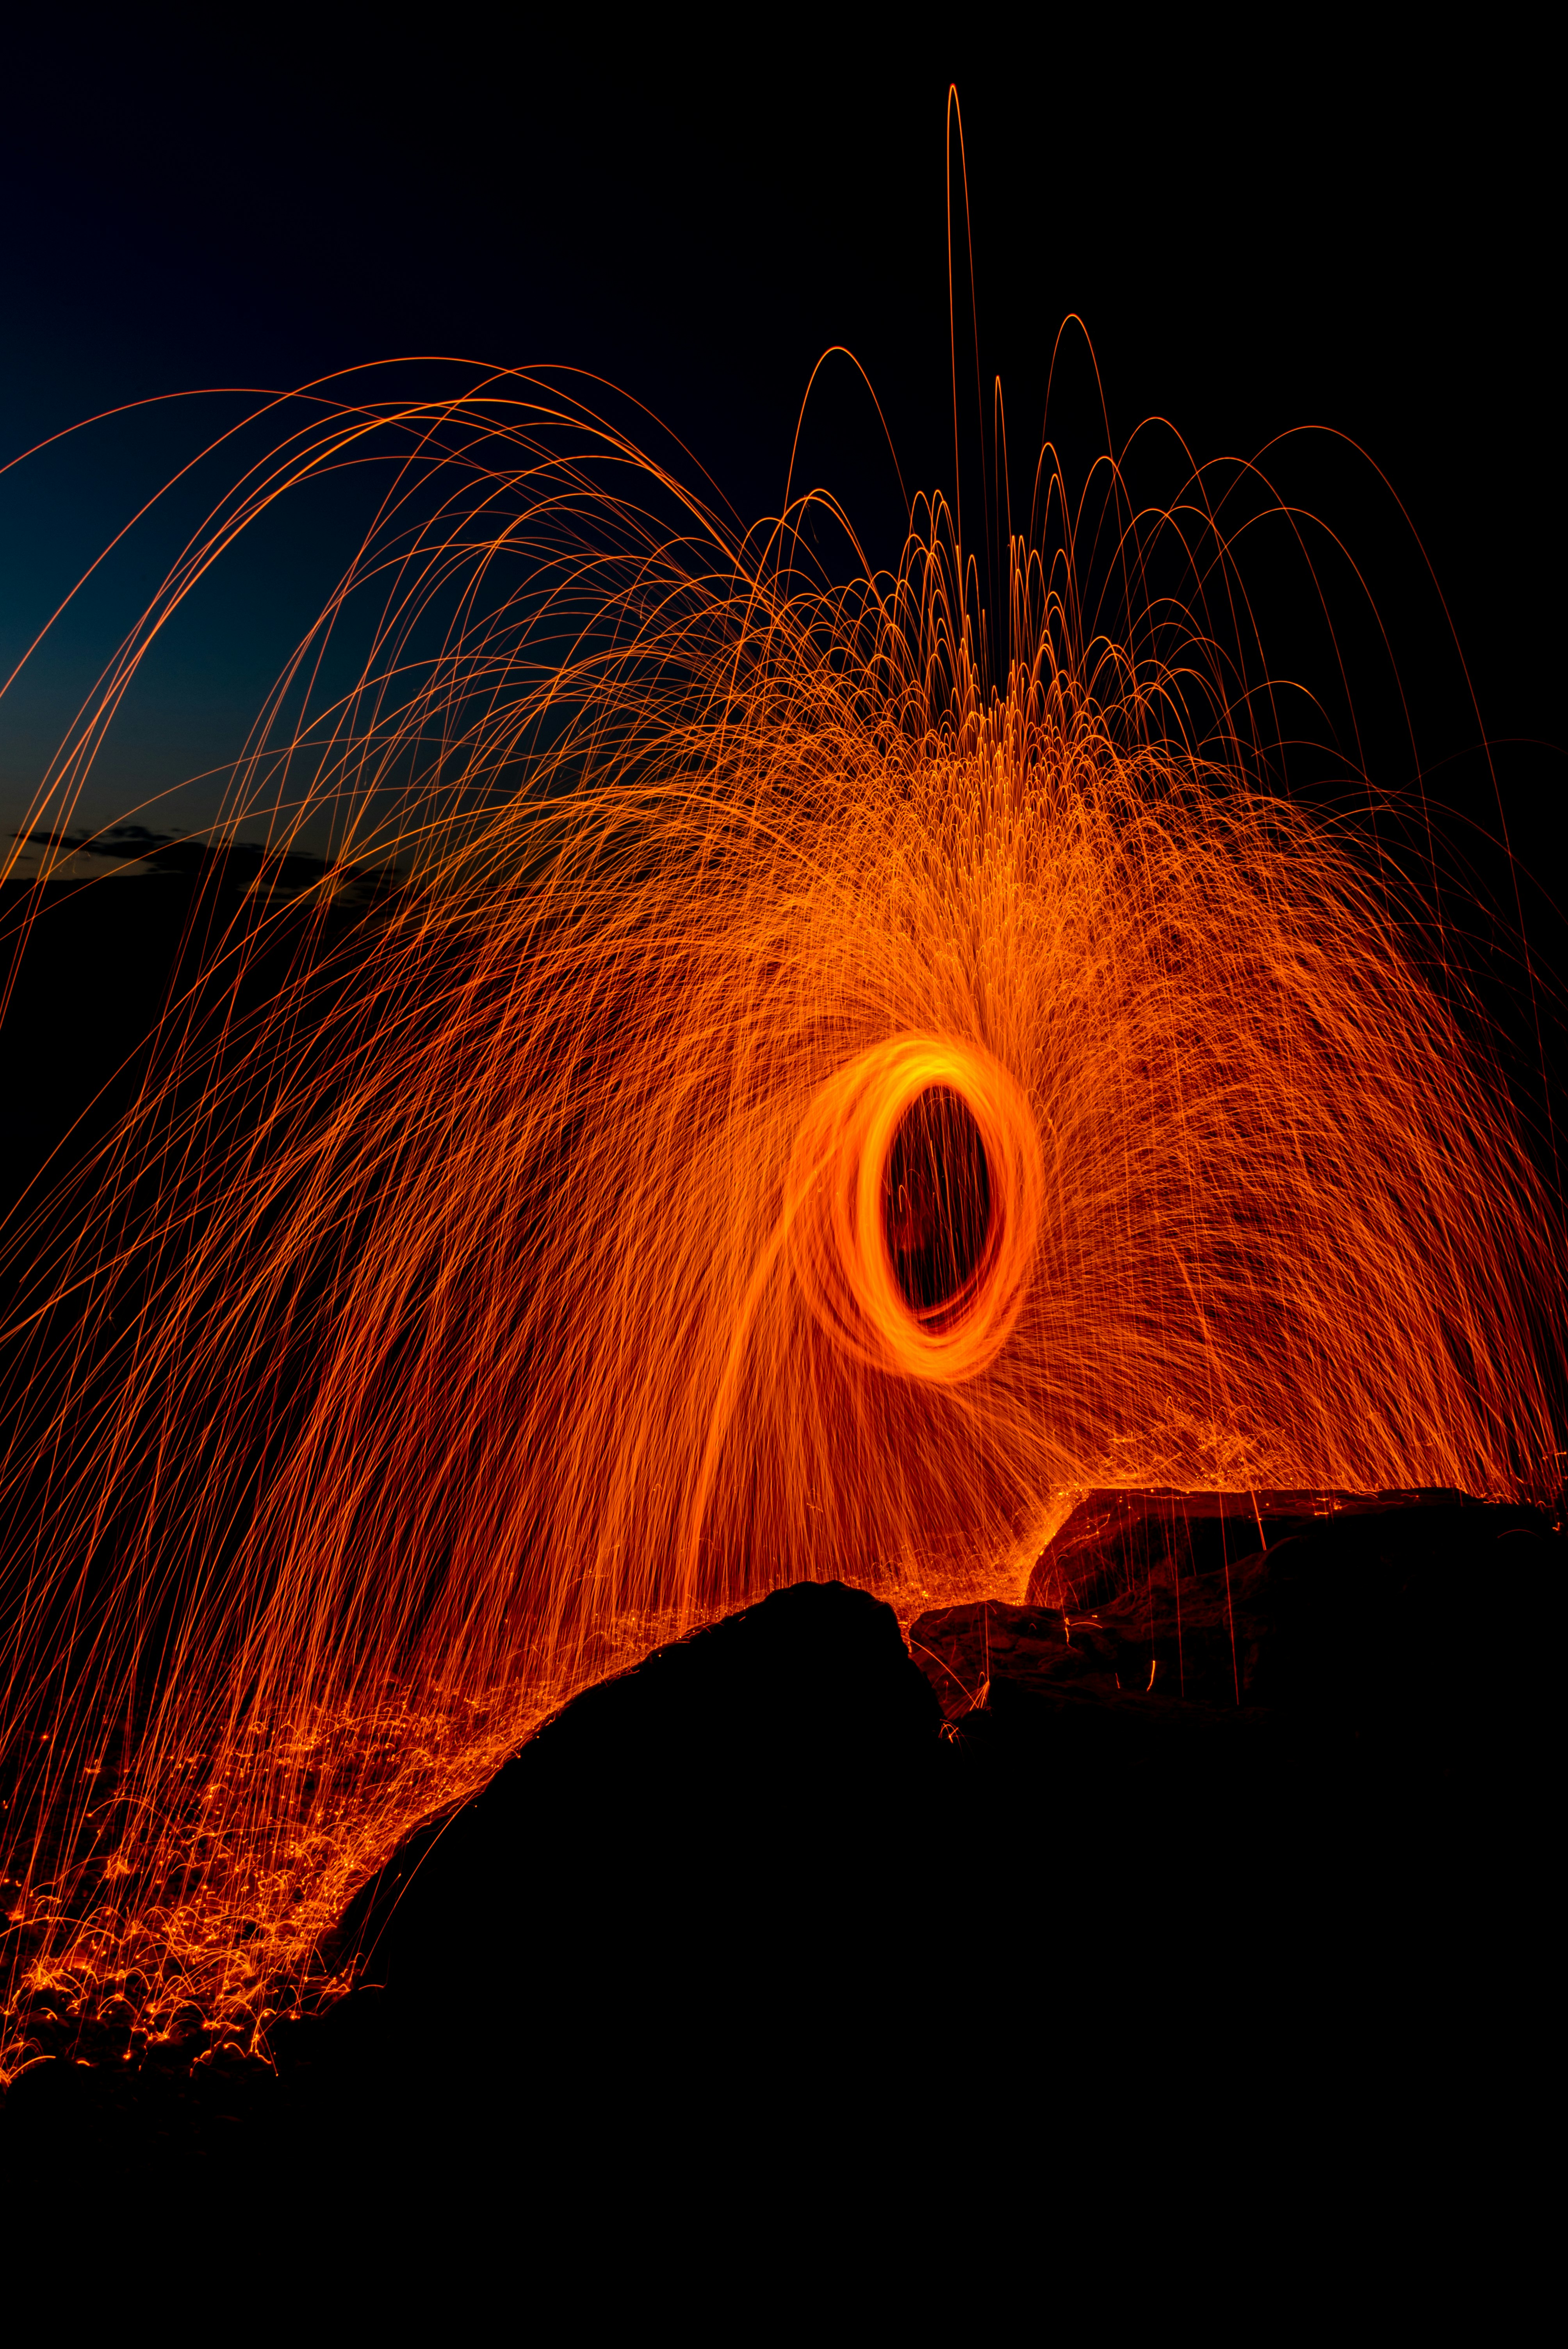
x=912, y=1205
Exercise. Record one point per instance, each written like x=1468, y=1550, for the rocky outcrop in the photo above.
x=1248, y=1805
x=1352, y=1603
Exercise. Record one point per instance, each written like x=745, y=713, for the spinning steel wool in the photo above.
x=805, y=1092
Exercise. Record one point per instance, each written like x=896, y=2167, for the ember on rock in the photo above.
x=792, y=1799
x=786, y=1080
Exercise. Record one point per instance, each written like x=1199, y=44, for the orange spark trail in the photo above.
x=808, y=1106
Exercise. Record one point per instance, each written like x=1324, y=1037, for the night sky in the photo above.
x=1301, y=237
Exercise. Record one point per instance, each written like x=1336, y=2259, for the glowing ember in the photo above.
x=816, y=1104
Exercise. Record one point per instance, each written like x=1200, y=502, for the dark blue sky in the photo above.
x=1304, y=237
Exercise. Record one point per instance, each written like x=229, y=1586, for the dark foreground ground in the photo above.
x=1205, y=1827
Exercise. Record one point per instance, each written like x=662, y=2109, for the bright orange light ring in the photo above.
x=834, y=1209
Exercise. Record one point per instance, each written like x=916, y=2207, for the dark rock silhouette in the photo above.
x=750, y=1778
x=1115, y=1540
x=777, y=1870
x=1350, y=1606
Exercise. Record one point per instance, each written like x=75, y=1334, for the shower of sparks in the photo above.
x=814, y=1102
